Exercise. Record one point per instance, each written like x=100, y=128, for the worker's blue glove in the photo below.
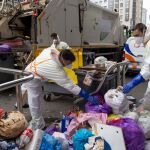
x=133, y=83
x=92, y=99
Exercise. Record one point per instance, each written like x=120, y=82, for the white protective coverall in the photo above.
x=61, y=45
x=46, y=67
x=57, y=44
x=145, y=70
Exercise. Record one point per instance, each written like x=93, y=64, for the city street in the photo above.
x=67, y=58
x=56, y=108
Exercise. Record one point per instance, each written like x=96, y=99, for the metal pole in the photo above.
x=17, y=82
x=19, y=95
x=118, y=75
x=123, y=74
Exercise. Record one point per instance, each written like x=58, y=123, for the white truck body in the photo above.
x=100, y=26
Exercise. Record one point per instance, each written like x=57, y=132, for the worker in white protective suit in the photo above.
x=144, y=74
x=57, y=43
x=49, y=66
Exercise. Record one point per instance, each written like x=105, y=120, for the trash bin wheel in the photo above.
x=47, y=97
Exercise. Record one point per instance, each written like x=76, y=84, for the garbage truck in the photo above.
x=89, y=30
x=84, y=26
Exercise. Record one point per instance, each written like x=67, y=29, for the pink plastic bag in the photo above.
x=83, y=117
x=100, y=117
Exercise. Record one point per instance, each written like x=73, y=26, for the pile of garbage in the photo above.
x=111, y=125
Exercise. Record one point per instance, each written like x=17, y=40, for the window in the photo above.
x=121, y=11
x=127, y=17
x=127, y=10
x=121, y=4
x=121, y=17
x=116, y=6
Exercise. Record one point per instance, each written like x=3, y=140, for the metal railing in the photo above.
x=20, y=77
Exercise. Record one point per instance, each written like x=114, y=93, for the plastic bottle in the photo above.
x=25, y=138
x=65, y=123
x=36, y=140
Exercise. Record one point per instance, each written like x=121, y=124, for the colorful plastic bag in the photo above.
x=5, y=48
x=81, y=138
x=91, y=118
x=133, y=134
x=50, y=143
x=97, y=108
x=62, y=139
x=8, y=146
x=51, y=129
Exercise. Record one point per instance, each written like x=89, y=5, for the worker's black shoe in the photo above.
x=24, y=106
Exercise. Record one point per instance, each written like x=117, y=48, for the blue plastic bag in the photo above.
x=8, y=145
x=81, y=138
x=50, y=143
x=5, y=48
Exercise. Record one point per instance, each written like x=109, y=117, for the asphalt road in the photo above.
x=138, y=91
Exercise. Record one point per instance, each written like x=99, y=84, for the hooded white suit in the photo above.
x=46, y=67
x=145, y=70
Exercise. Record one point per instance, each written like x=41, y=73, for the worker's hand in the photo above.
x=92, y=99
x=126, y=88
x=119, y=88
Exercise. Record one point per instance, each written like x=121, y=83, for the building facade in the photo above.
x=144, y=15
x=139, y=7
x=130, y=11
x=109, y=4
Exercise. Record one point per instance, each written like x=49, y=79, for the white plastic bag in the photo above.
x=117, y=101
x=108, y=64
x=144, y=122
x=132, y=115
x=62, y=139
x=100, y=61
x=147, y=145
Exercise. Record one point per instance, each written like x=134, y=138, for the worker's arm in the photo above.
x=62, y=79
x=142, y=76
x=133, y=83
x=145, y=70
